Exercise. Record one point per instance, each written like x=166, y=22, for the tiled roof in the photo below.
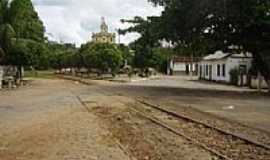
x=221, y=55
x=216, y=55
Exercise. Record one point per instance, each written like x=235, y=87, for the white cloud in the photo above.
x=74, y=21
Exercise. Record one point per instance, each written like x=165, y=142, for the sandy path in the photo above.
x=46, y=121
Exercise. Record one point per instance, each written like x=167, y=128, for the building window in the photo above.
x=224, y=70
x=206, y=69
x=218, y=70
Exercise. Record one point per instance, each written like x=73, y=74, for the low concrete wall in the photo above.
x=254, y=83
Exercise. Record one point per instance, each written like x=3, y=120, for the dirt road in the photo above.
x=233, y=103
x=47, y=121
x=64, y=120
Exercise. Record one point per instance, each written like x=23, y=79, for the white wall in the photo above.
x=181, y=66
x=177, y=66
x=230, y=63
x=254, y=83
x=214, y=64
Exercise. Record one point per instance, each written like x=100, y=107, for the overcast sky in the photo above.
x=74, y=21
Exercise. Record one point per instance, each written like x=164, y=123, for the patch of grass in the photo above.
x=48, y=74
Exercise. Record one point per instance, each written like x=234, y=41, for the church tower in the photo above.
x=103, y=26
x=103, y=36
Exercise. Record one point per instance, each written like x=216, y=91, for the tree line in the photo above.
x=95, y=57
x=23, y=44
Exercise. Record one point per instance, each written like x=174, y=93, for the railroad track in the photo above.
x=225, y=145
x=219, y=142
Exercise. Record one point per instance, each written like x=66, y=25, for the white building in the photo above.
x=217, y=67
x=183, y=66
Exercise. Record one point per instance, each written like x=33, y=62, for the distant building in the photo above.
x=217, y=67
x=103, y=36
x=183, y=65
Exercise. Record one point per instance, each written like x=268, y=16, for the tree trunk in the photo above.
x=259, y=77
x=268, y=83
x=262, y=67
x=191, y=66
x=19, y=75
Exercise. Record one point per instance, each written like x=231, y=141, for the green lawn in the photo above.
x=49, y=74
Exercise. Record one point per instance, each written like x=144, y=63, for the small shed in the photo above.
x=218, y=66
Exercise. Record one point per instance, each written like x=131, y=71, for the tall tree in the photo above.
x=246, y=24
x=6, y=31
x=25, y=20
x=241, y=23
x=28, y=48
x=102, y=56
x=149, y=29
x=3, y=11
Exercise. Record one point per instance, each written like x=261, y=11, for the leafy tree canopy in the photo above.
x=244, y=24
x=5, y=30
x=26, y=52
x=3, y=11
x=25, y=20
x=102, y=56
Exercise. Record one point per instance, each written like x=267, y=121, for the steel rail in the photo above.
x=174, y=114
x=174, y=131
